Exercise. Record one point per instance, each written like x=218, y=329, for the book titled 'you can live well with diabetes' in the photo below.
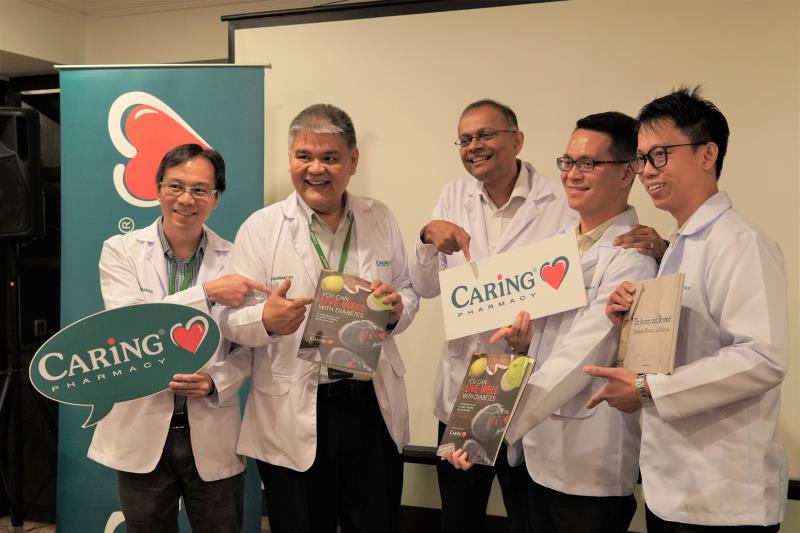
x=346, y=325
x=485, y=404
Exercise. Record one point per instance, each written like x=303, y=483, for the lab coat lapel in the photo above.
x=214, y=257
x=364, y=234
x=710, y=211
x=154, y=255
x=524, y=217
x=479, y=241
x=298, y=232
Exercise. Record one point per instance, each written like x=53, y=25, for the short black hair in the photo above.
x=698, y=118
x=621, y=128
x=185, y=152
x=507, y=112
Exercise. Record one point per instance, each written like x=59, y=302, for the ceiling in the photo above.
x=14, y=65
x=111, y=8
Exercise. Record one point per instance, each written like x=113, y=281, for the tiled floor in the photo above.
x=35, y=527
x=29, y=527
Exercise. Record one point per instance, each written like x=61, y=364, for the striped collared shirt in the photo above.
x=181, y=275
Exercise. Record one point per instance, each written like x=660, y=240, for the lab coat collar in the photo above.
x=539, y=190
x=621, y=224
x=298, y=230
x=707, y=213
x=213, y=258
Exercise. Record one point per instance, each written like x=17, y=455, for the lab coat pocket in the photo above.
x=273, y=384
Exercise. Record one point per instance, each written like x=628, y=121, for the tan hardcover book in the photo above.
x=650, y=327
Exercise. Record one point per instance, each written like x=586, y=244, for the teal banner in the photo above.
x=123, y=354
x=116, y=124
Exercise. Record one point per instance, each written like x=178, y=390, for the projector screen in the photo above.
x=405, y=79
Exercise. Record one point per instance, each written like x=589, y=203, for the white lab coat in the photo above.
x=280, y=417
x=711, y=453
x=569, y=448
x=132, y=436
x=543, y=214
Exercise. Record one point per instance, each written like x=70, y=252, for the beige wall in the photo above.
x=33, y=31
x=405, y=80
x=69, y=38
x=170, y=36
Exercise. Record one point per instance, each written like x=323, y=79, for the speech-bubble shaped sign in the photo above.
x=123, y=354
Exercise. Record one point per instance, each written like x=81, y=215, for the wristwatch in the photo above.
x=645, y=400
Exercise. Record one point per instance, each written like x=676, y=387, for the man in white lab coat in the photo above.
x=583, y=464
x=328, y=446
x=711, y=456
x=502, y=203
x=180, y=442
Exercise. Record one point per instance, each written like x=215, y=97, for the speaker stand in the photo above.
x=13, y=378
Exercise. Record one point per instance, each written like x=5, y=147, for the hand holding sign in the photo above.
x=123, y=354
x=518, y=335
x=193, y=385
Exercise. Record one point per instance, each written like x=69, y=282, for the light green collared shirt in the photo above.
x=587, y=240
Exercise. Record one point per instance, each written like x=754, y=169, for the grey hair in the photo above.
x=324, y=118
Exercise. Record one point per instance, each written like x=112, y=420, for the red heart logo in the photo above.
x=191, y=336
x=151, y=129
x=554, y=273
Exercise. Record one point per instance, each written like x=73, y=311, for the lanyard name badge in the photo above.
x=345, y=248
x=332, y=372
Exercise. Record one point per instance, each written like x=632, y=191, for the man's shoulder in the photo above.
x=215, y=241
x=147, y=233
x=267, y=212
x=369, y=205
x=460, y=187
x=733, y=225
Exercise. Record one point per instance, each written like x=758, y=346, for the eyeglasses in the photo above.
x=657, y=156
x=177, y=189
x=482, y=136
x=584, y=164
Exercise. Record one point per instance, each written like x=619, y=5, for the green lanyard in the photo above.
x=187, y=278
x=321, y=254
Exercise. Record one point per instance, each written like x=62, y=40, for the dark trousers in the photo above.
x=150, y=501
x=556, y=512
x=658, y=525
x=465, y=494
x=356, y=480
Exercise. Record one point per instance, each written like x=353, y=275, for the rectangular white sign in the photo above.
x=543, y=278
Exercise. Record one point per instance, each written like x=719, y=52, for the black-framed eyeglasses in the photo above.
x=584, y=164
x=657, y=156
x=482, y=136
x=177, y=189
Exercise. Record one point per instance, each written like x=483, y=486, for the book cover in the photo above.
x=485, y=405
x=650, y=327
x=346, y=325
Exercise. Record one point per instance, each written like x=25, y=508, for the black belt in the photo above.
x=179, y=421
x=344, y=387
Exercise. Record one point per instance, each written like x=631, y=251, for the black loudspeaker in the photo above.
x=21, y=210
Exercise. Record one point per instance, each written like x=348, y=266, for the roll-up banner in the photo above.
x=116, y=125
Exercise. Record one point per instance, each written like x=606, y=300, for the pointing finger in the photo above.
x=463, y=238
x=283, y=288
